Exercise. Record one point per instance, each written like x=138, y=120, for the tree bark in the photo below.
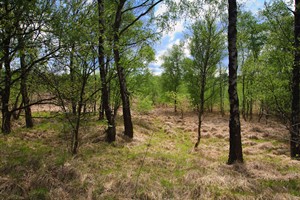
x=121, y=73
x=221, y=92
x=6, y=114
x=23, y=87
x=235, y=149
x=72, y=79
x=201, y=107
x=101, y=107
x=175, y=101
x=16, y=114
x=75, y=139
x=244, y=97
x=111, y=129
x=294, y=130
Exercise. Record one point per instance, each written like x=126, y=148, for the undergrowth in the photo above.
x=159, y=163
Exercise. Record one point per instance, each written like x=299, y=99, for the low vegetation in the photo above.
x=159, y=163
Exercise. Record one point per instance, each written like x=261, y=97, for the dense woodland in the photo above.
x=84, y=117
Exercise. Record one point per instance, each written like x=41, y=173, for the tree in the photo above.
x=274, y=66
x=251, y=39
x=119, y=28
x=23, y=84
x=295, y=121
x=111, y=129
x=172, y=74
x=222, y=78
x=235, y=144
x=206, y=47
x=21, y=28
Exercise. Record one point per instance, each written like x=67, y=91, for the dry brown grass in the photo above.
x=159, y=163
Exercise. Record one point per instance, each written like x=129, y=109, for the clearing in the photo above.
x=159, y=163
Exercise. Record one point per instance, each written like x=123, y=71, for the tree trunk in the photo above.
x=24, y=91
x=212, y=99
x=81, y=105
x=72, y=79
x=95, y=90
x=221, y=93
x=175, y=102
x=124, y=96
x=6, y=114
x=121, y=74
x=75, y=140
x=235, y=149
x=250, y=108
x=294, y=130
x=244, y=98
x=201, y=107
x=16, y=113
x=101, y=107
x=111, y=129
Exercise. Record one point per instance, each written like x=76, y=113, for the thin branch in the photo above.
x=139, y=17
x=39, y=102
x=134, y=7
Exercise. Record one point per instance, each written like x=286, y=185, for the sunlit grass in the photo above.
x=159, y=163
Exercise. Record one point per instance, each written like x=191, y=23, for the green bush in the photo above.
x=144, y=105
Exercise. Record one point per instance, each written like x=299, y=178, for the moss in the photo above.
x=39, y=194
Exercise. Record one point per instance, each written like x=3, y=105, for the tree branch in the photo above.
x=139, y=17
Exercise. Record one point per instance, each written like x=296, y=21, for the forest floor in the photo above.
x=159, y=163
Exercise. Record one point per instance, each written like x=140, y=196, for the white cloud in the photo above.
x=256, y=5
x=178, y=27
x=160, y=9
x=186, y=49
x=173, y=36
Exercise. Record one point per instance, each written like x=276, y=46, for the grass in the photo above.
x=159, y=163
x=292, y=186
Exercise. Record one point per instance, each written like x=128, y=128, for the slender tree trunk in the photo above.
x=235, y=149
x=111, y=129
x=244, y=98
x=121, y=74
x=250, y=108
x=221, y=93
x=294, y=131
x=6, y=114
x=16, y=113
x=201, y=108
x=212, y=99
x=81, y=105
x=95, y=89
x=124, y=96
x=101, y=108
x=75, y=141
x=24, y=90
x=175, y=102
x=72, y=79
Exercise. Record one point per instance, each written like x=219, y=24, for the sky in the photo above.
x=170, y=38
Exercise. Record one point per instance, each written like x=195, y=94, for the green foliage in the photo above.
x=206, y=46
x=144, y=105
x=173, y=66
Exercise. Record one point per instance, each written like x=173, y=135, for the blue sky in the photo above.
x=177, y=34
